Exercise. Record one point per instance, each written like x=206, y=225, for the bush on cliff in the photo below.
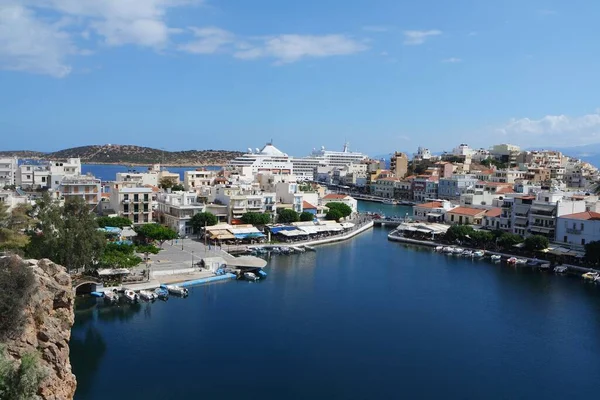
x=17, y=283
x=20, y=382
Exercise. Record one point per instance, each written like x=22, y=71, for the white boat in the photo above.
x=478, y=253
x=467, y=253
x=439, y=248
x=131, y=296
x=560, y=269
x=592, y=276
x=521, y=261
x=111, y=296
x=458, y=250
x=448, y=250
x=307, y=247
x=251, y=276
x=178, y=290
x=496, y=257
x=147, y=295
x=512, y=260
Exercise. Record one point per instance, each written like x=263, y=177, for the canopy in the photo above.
x=293, y=233
x=221, y=235
x=309, y=230
x=117, y=271
x=277, y=229
x=248, y=235
x=346, y=225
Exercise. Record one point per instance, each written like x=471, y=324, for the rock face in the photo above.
x=48, y=320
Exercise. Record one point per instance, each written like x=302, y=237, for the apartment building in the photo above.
x=129, y=200
x=196, y=180
x=399, y=164
x=8, y=171
x=453, y=187
x=578, y=229
x=176, y=210
x=87, y=187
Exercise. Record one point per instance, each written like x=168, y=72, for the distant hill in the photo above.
x=134, y=155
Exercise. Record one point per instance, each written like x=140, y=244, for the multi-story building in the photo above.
x=424, y=188
x=386, y=187
x=578, y=229
x=87, y=187
x=8, y=171
x=399, y=164
x=506, y=153
x=176, y=210
x=465, y=215
x=47, y=175
x=403, y=190
x=195, y=180
x=132, y=201
x=432, y=211
x=453, y=187
x=508, y=175
x=340, y=198
x=422, y=154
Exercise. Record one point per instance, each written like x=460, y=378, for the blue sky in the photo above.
x=384, y=75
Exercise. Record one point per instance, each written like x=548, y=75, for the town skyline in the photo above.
x=216, y=72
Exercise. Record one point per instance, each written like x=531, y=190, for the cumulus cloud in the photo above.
x=282, y=49
x=557, y=130
x=414, y=38
x=29, y=44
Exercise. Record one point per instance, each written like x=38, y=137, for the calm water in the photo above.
x=109, y=172
x=365, y=319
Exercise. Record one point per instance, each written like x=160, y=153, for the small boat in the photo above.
x=590, y=276
x=162, y=294
x=131, y=296
x=533, y=262
x=496, y=257
x=250, y=276
x=439, y=248
x=97, y=294
x=147, y=295
x=174, y=289
x=512, y=260
x=521, y=261
x=458, y=250
x=467, y=253
x=447, y=250
x=478, y=253
x=298, y=249
x=111, y=297
x=545, y=266
x=560, y=269
x=311, y=248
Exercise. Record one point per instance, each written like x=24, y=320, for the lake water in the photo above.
x=363, y=319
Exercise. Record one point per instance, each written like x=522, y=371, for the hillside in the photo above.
x=137, y=155
x=22, y=154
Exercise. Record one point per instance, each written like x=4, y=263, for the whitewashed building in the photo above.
x=132, y=201
x=8, y=171
x=176, y=209
x=578, y=229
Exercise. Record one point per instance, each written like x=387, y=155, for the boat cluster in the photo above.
x=116, y=296
x=458, y=251
x=285, y=250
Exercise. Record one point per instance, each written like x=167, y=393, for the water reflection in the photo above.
x=87, y=352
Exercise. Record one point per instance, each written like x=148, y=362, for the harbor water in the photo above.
x=361, y=319
x=106, y=172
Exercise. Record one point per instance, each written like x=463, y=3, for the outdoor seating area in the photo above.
x=234, y=234
x=302, y=231
x=422, y=231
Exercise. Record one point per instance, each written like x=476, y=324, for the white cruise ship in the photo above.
x=304, y=167
x=268, y=159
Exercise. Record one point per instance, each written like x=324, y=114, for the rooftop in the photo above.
x=307, y=205
x=333, y=196
x=467, y=211
x=587, y=215
x=493, y=212
x=432, y=204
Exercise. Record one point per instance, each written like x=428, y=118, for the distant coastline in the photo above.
x=175, y=165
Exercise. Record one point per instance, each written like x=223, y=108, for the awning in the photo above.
x=221, y=235
x=293, y=233
x=128, y=232
x=248, y=235
x=117, y=271
x=347, y=225
x=436, y=215
x=277, y=229
x=309, y=230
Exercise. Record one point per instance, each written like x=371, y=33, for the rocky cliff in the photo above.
x=48, y=318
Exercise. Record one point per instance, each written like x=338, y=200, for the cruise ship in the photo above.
x=271, y=159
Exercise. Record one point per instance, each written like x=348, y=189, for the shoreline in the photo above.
x=125, y=164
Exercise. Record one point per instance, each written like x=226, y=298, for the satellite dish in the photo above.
x=257, y=150
x=250, y=150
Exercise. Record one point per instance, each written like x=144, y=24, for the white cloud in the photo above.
x=452, y=60
x=414, y=38
x=29, y=44
x=283, y=49
x=555, y=130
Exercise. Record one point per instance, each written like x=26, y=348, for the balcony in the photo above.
x=573, y=231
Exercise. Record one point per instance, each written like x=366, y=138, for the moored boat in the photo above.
x=533, y=262
x=478, y=253
x=496, y=257
x=439, y=248
x=458, y=250
x=467, y=253
x=544, y=266
x=447, y=250
x=174, y=289
x=590, y=276
x=311, y=248
x=111, y=297
x=560, y=269
x=250, y=276
x=162, y=294
x=521, y=261
x=131, y=296
x=512, y=260
x=147, y=295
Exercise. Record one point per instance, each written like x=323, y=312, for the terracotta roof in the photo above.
x=306, y=205
x=588, y=216
x=493, y=212
x=504, y=190
x=106, y=195
x=432, y=204
x=389, y=179
x=333, y=196
x=466, y=211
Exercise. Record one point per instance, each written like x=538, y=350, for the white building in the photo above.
x=8, y=171
x=462, y=150
x=12, y=199
x=340, y=198
x=422, y=154
x=87, y=187
x=176, y=209
x=196, y=180
x=47, y=175
x=131, y=201
x=433, y=211
x=578, y=229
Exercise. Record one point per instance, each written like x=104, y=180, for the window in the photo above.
x=136, y=219
x=146, y=197
x=43, y=179
x=125, y=197
x=582, y=226
x=582, y=242
x=565, y=239
x=136, y=197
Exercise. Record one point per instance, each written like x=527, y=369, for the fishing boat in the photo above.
x=174, y=289
x=467, y=253
x=131, y=296
x=478, y=253
x=250, y=276
x=521, y=261
x=111, y=297
x=512, y=260
x=311, y=248
x=590, y=276
x=560, y=269
x=147, y=295
x=439, y=248
x=496, y=257
x=162, y=294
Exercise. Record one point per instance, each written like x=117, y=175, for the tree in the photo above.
x=592, y=252
x=508, y=240
x=117, y=222
x=482, y=238
x=178, y=188
x=201, y=220
x=67, y=235
x=458, y=232
x=151, y=232
x=12, y=227
x=287, y=216
x=167, y=182
x=22, y=381
x=333, y=215
x=119, y=256
x=256, y=218
x=343, y=208
x=307, y=216
x=536, y=242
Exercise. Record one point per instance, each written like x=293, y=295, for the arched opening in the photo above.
x=86, y=288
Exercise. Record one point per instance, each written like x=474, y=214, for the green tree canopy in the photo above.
x=178, y=187
x=458, y=232
x=592, y=252
x=536, y=242
x=13, y=226
x=119, y=256
x=156, y=232
x=203, y=219
x=67, y=235
x=507, y=240
x=334, y=215
x=343, y=208
x=167, y=182
x=306, y=216
x=256, y=218
x=117, y=222
x=20, y=381
x=287, y=216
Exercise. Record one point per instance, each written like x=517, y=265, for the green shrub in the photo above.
x=17, y=282
x=22, y=382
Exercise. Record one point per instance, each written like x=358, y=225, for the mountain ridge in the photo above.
x=132, y=155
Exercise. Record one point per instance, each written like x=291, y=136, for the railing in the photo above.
x=574, y=231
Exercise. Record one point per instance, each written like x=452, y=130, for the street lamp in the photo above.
x=192, y=258
x=182, y=243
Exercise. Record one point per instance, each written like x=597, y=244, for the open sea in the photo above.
x=109, y=172
x=362, y=319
